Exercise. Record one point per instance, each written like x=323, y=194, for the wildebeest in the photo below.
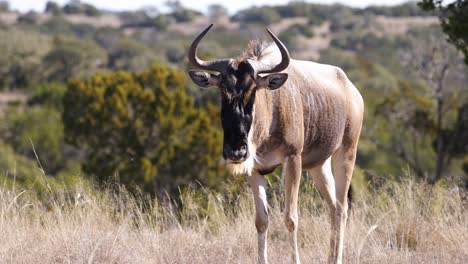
x=279, y=111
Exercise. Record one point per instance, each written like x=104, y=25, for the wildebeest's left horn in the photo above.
x=285, y=58
x=215, y=65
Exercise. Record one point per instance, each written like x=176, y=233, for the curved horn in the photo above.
x=285, y=58
x=215, y=65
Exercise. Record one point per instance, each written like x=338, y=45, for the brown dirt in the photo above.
x=400, y=25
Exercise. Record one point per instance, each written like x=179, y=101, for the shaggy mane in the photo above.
x=256, y=50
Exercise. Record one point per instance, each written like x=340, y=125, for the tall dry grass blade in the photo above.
x=40, y=165
x=371, y=229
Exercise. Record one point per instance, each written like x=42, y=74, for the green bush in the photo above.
x=30, y=17
x=24, y=173
x=36, y=130
x=21, y=56
x=72, y=58
x=143, y=130
x=289, y=36
x=48, y=94
x=130, y=55
x=16, y=168
x=162, y=22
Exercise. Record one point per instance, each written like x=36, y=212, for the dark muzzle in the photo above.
x=237, y=153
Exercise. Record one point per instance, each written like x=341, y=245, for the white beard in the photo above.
x=246, y=167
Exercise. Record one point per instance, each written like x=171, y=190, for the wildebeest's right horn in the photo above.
x=285, y=58
x=215, y=65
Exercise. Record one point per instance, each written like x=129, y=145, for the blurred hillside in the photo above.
x=89, y=95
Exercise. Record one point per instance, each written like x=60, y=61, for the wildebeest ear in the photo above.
x=272, y=81
x=204, y=79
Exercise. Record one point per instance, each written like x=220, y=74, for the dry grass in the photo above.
x=402, y=223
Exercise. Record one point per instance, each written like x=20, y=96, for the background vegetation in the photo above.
x=99, y=95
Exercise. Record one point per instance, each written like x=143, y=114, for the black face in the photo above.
x=237, y=100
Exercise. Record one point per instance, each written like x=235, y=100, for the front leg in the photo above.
x=257, y=182
x=292, y=179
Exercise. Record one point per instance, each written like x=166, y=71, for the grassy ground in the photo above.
x=401, y=223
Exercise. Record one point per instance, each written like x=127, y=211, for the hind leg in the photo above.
x=343, y=166
x=325, y=183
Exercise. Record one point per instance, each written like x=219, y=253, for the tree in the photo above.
x=73, y=7
x=150, y=11
x=426, y=108
x=404, y=128
x=439, y=66
x=217, y=11
x=72, y=58
x=19, y=63
x=181, y=13
x=295, y=9
x=454, y=21
x=264, y=15
x=143, y=129
x=53, y=8
x=457, y=137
